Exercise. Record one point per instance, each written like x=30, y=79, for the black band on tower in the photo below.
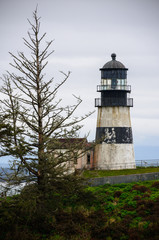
x=114, y=135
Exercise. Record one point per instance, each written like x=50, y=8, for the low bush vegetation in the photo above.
x=109, y=212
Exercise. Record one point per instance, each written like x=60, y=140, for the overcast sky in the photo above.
x=85, y=33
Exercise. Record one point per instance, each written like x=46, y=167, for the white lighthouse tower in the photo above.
x=114, y=149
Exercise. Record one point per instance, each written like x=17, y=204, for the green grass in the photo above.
x=106, y=173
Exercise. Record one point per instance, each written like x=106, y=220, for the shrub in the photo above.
x=140, y=188
x=155, y=184
x=117, y=194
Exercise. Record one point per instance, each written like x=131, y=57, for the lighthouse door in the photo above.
x=114, y=83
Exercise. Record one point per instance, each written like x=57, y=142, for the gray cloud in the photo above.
x=86, y=33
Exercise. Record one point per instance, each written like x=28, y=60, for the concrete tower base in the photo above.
x=114, y=156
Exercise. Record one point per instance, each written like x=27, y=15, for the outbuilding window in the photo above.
x=88, y=158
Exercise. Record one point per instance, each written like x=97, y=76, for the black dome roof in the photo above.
x=113, y=63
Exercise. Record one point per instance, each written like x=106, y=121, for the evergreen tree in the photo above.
x=37, y=122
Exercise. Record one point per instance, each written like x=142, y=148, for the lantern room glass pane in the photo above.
x=109, y=82
x=118, y=82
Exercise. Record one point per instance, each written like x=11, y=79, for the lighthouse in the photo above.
x=114, y=149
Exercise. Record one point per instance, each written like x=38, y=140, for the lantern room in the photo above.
x=113, y=86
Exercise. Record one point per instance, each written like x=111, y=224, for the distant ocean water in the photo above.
x=15, y=189
x=12, y=190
